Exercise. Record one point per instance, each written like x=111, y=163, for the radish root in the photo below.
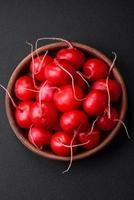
x=107, y=88
x=77, y=99
x=82, y=76
x=51, y=38
x=9, y=95
x=71, y=154
x=126, y=130
x=33, y=71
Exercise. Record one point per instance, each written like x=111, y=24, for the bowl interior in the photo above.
x=23, y=68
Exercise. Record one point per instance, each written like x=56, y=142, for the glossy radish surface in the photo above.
x=58, y=76
x=95, y=69
x=74, y=120
x=23, y=88
x=38, y=66
x=39, y=137
x=95, y=102
x=113, y=86
x=23, y=114
x=72, y=55
x=89, y=139
x=44, y=115
x=105, y=123
x=58, y=141
x=65, y=100
x=46, y=92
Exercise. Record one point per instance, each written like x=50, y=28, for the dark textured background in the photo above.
x=106, y=25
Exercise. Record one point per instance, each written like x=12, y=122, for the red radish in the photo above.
x=74, y=120
x=44, y=115
x=38, y=66
x=113, y=86
x=89, y=140
x=72, y=55
x=65, y=99
x=95, y=102
x=105, y=123
x=23, y=114
x=24, y=88
x=46, y=92
x=95, y=69
x=58, y=141
x=39, y=137
x=58, y=76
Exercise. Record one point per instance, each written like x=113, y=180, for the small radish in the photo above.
x=23, y=114
x=72, y=55
x=74, y=120
x=24, y=88
x=105, y=123
x=46, y=92
x=95, y=69
x=38, y=66
x=90, y=139
x=58, y=76
x=58, y=142
x=66, y=100
x=44, y=115
x=95, y=102
x=39, y=137
x=113, y=86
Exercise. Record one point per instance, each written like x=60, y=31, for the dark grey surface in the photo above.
x=105, y=25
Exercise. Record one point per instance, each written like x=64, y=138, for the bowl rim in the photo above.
x=84, y=154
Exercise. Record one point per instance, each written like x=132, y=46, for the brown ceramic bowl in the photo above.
x=22, y=68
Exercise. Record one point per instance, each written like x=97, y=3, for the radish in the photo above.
x=90, y=139
x=23, y=114
x=38, y=66
x=24, y=88
x=58, y=141
x=105, y=123
x=65, y=99
x=95, y=69
x=44, y=115
x=72, y=55
x=39, y=137
x=113, y=86
x=58, y=76
x=95, y=102
x=74, y=120
x=46, y=92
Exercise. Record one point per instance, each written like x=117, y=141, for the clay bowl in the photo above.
x=22, y=68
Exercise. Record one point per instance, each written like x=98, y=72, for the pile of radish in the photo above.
x=68, y=102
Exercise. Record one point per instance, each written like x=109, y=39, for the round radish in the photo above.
x=95, y=102
x=65, y=99
x=24, y=88
x=105, y=123
x=38, y=66
x=74, y=120
x=23, y=113
x=58, y=141
x=72, y=55
x=46, y=92
x=44, y=115
x=39, y=137
x=113, y=86
x=90, y=139
x=95, y=69
x=58, y=76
